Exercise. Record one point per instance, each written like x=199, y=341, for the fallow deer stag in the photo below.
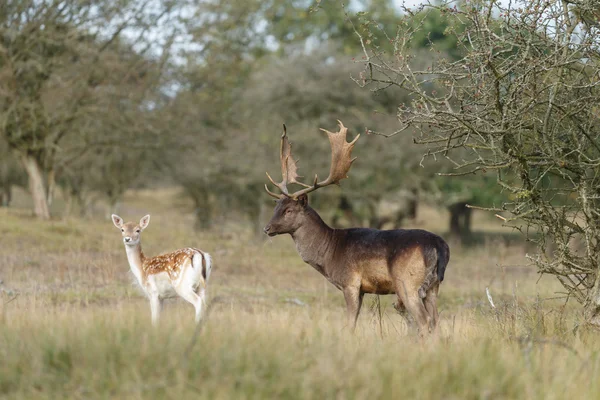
x=409, y=263
x=183, y=273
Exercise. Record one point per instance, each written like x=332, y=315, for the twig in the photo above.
x=489, y=297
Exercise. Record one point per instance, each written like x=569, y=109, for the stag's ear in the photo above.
x=303, y=200
x=118, y=221
x=144, y=221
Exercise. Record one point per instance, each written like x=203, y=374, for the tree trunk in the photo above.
x=68, y=206
x=203, y=218
x=51, y=186
x=203, y=212
x=5, y=195
x=36, y=186
x=460, y=221
x=113, y=206
x=84, y=202
x=413, y=204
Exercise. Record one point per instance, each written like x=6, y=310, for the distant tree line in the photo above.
x=99, y=98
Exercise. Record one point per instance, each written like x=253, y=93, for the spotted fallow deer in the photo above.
x=183, y=272
x=409, y=263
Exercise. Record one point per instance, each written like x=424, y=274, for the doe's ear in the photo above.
x=303, y=200
x=118, y=221
x=144, y=221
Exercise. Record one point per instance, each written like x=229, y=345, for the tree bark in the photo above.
x=36, y=186
x=6, y=195
x=68, y=206
x=51, y=186
x=413, y=204
x=203, y=211
x=113, y=205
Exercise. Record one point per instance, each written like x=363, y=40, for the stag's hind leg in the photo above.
x=408, y=273
x=415, y=307
x=431, y=306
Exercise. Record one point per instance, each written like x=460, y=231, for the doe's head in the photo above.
x=288, y=216
x=130, y=231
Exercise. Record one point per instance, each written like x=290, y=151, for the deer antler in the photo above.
x=289, y=169
x=341, y=161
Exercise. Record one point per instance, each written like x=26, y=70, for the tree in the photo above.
x=521, y=103
x=10, y=174
x=57, y=60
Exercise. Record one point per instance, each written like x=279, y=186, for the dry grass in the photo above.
x=79, y=329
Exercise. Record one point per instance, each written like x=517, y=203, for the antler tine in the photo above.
x=289, y=169
x=341, y=161
x=275, y=195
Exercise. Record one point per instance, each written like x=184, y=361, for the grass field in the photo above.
x=72, y=324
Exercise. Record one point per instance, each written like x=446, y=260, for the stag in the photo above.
x=409, y=263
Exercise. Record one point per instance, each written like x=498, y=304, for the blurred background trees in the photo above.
x=97, y=99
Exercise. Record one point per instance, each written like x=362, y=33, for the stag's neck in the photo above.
x=136, y=257
x=315, y=242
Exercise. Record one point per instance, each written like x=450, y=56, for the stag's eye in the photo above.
x=288, y=211
x=137, y=231
x=122, y=230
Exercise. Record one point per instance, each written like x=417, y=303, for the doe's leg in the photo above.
x=196, y=300
x=155, y=307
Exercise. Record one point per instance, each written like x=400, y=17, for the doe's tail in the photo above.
x=203, y=262
x=207, y=266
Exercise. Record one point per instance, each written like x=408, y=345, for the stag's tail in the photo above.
x=436, y=261
x=443, y=256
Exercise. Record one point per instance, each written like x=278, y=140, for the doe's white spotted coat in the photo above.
x=182, y=273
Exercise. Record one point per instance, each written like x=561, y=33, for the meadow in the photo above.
x=73, y=324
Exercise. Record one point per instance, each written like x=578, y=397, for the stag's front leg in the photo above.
x=354, y=299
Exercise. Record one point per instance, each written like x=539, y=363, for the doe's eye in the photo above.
x=122, y=230
x=137, y=231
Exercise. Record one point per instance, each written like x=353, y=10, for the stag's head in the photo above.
x=130, y=231
x=291, y=208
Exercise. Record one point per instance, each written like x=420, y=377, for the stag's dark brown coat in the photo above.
x=409, y=263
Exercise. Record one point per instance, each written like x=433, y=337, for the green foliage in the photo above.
x=435, y=30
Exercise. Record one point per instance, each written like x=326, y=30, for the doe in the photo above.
x=183, y=272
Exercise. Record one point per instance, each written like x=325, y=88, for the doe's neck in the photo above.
x=136, y=258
